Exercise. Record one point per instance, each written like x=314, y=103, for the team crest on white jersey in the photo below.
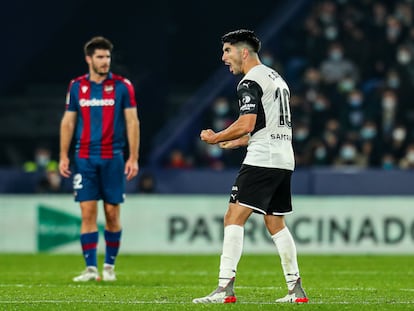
x=246, y=99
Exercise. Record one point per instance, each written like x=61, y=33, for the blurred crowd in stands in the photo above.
x=350, y=68
x=351, y=74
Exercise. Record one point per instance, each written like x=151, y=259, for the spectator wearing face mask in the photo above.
x=219, y=117
x=335, y=67
x=385, y=47
x=269, y=60
x=405, y=69
x=389, y=112
x=321, y=112
x=350, y=156
x=301, y=140
x=396, y=144
x=385, y=110
x=370, y=143
x=404, y=62
x=353, y=111
x=320, y=155
x=47, y=168
x=42, y=161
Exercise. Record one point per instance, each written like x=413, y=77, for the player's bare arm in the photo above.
x=235, y=143
x=67, y=127
x=133, y=135
x=241, y=127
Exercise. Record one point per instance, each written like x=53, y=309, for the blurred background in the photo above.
x=349, y=65
x=350, y=68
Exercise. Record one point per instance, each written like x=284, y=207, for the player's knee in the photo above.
x=236, y=216
x=112, y=221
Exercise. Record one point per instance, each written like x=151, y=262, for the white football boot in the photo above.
x=220, y=295
x=297, y=294
x=108, y=273
x=89, y=274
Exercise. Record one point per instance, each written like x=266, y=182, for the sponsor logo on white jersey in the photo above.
x=247, y=107
x=96, y=102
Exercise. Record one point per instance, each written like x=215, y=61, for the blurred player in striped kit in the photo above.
x=101, y=116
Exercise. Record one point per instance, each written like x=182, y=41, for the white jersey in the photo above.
x=262, y=91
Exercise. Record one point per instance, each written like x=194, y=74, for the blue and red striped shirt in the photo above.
x=100, y=127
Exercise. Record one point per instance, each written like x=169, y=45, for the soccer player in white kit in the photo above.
x=263, y=182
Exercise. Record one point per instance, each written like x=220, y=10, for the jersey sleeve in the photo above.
x=71, y=97
x=249, y=94
x=129, y=95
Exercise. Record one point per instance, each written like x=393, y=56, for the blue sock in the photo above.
x=89, y=242
x=113, y=240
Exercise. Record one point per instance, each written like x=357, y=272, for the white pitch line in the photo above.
x=270, y=288
x=138, y=302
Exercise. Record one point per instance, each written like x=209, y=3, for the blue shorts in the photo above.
x=99, y=179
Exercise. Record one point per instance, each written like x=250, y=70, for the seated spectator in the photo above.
x=388, y=162
x=178, y=160
x=331, y=137
x=407, y=162
x=396, y=144
x=390, y=114
x=321, y=112
x=320, y=155
x=349, y=155
x=370, y=143
x=353, y=112
x=300, y=109
x=42, y=161
x=311, y=84
x=335, y=67
x=301, y=144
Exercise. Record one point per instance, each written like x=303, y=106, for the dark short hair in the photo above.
x=242, y=35
x=97, y=43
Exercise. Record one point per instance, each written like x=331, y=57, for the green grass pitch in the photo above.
x=169, y=282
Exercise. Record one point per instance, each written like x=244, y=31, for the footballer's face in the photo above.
x=232, y=57
x=100, y=62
